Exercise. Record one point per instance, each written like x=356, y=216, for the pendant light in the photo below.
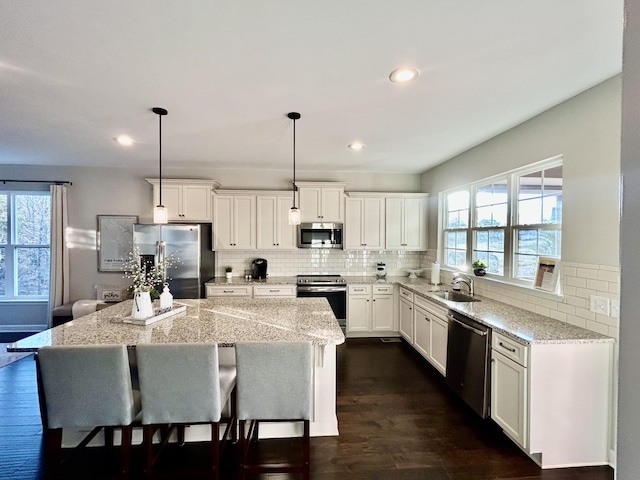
x=294, y=213
x=160, y=213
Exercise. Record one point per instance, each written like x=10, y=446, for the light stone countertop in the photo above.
x=519, y=324
x=222, y=320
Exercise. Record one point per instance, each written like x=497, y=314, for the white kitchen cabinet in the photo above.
x=406, y=222
x=234, y=222
x=430, y=334
x=370, y=310
x=382, y=318
x=321, y=201
x=359, y=309
x=364, y=223
x=405, y=317
x=509, y=396
x=186, y=200
x=274, y=291
x=229, y=291
x=273, y=229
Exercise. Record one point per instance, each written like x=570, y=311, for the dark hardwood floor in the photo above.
x=397, y=418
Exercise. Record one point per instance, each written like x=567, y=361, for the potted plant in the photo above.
x=228, y=271
x=479, y=268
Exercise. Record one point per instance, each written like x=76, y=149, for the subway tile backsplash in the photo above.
x=318, y=261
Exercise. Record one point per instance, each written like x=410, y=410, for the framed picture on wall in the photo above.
x=547, y=274
x=114, y=241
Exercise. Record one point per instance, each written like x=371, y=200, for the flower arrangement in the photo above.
x=146, y=278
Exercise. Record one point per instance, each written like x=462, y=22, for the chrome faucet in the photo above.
x=460, y=277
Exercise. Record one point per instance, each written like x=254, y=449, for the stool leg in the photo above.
x=53, y=451
x=127, y=433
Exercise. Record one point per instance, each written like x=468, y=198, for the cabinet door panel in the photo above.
x=171, y=198
x=509, y=397
x=422, y=325
x=358, y=317
x=394, y=212
x=414, y=223
x=266, y=223
x=196, y=203
x=331, y=210
x=406, y=320
x=285, y=233
x=245, y=221
x=223, y=222
x=310, y=204
x=382, y=312
x=373, y=223
x=438, y=350
x=353, y=224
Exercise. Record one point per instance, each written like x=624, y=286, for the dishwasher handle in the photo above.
x=482, y=333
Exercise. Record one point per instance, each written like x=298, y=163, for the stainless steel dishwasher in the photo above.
x=468, y=357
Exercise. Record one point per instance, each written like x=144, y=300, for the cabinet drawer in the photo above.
x=407, y=294
x=359, y=289
x=516, y=351
x=383, y=289
x=431, y=307
x=235, y=291
x=275, y=291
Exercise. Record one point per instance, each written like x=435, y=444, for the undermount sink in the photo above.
x=455, y=296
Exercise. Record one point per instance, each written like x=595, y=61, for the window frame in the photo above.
x=510, y=230
x=11, y=247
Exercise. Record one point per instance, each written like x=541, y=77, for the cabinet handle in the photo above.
x=427, y=319
x=512, y=350
x=274, y=291
x=227, y=291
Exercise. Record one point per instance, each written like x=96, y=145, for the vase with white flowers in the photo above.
x=146, y=277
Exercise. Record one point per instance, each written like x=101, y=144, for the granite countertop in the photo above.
x=222, y=320
x=222, y=281
x=521, y=325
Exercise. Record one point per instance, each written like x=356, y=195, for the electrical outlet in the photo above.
x=599, y=304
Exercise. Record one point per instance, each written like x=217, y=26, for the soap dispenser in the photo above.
x=166, y=299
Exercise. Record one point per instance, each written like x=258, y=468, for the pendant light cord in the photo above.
x=160, y=155
x=294, y=163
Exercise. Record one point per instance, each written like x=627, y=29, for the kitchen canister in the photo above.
x=435, y=273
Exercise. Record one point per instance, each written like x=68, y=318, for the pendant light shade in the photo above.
x=160, y=213
x=294, y=214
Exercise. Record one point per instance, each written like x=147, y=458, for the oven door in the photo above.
x=337, y=297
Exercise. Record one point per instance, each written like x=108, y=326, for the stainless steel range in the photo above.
x=331, y=287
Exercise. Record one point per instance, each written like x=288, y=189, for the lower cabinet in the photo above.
x=509, y=396
x=430, y=332
x=248, y=291
x=405, y=319
x=274, y=291
x=370, y=310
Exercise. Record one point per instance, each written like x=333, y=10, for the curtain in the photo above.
x=59, y=282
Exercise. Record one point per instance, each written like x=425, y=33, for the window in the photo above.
x=24, y=245
x=508, y=221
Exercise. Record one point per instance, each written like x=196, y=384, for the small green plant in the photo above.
x=228, y=269
x=479, y=264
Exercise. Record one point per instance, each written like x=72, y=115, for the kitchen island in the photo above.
x=224, y=321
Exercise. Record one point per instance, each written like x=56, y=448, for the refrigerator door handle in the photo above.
x=161, y=253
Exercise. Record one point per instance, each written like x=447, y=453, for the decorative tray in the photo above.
x=157, y=317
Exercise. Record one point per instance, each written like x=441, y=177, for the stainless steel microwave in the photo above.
x=320, y=235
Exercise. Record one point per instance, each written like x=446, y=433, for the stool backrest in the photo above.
x=274, y=380
x=86, y=386
x=179, y=383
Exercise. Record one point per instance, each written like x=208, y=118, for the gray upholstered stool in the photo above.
x=86, y=386
x=274, y=384
x=183, y=384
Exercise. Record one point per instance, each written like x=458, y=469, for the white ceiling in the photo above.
x=77, y=73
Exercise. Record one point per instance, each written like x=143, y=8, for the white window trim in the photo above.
x=508, y=278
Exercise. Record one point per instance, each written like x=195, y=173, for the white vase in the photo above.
x=229, y=275
x=142, y=307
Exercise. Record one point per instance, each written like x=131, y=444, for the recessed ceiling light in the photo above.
x=124, y=140
x=403, y=75
x=356, y=146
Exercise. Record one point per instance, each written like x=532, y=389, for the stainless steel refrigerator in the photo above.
x=191, y=244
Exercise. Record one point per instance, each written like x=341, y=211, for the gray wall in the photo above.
x=628, y=465
x=586, y=131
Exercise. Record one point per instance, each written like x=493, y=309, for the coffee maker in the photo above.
x=259, y=269
x=381, y=270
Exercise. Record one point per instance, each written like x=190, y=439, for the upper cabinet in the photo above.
x=406, y=221
x=234, y=221
x=187, y=200
x=321, y=201
x=273, y=229
x=364, y=222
